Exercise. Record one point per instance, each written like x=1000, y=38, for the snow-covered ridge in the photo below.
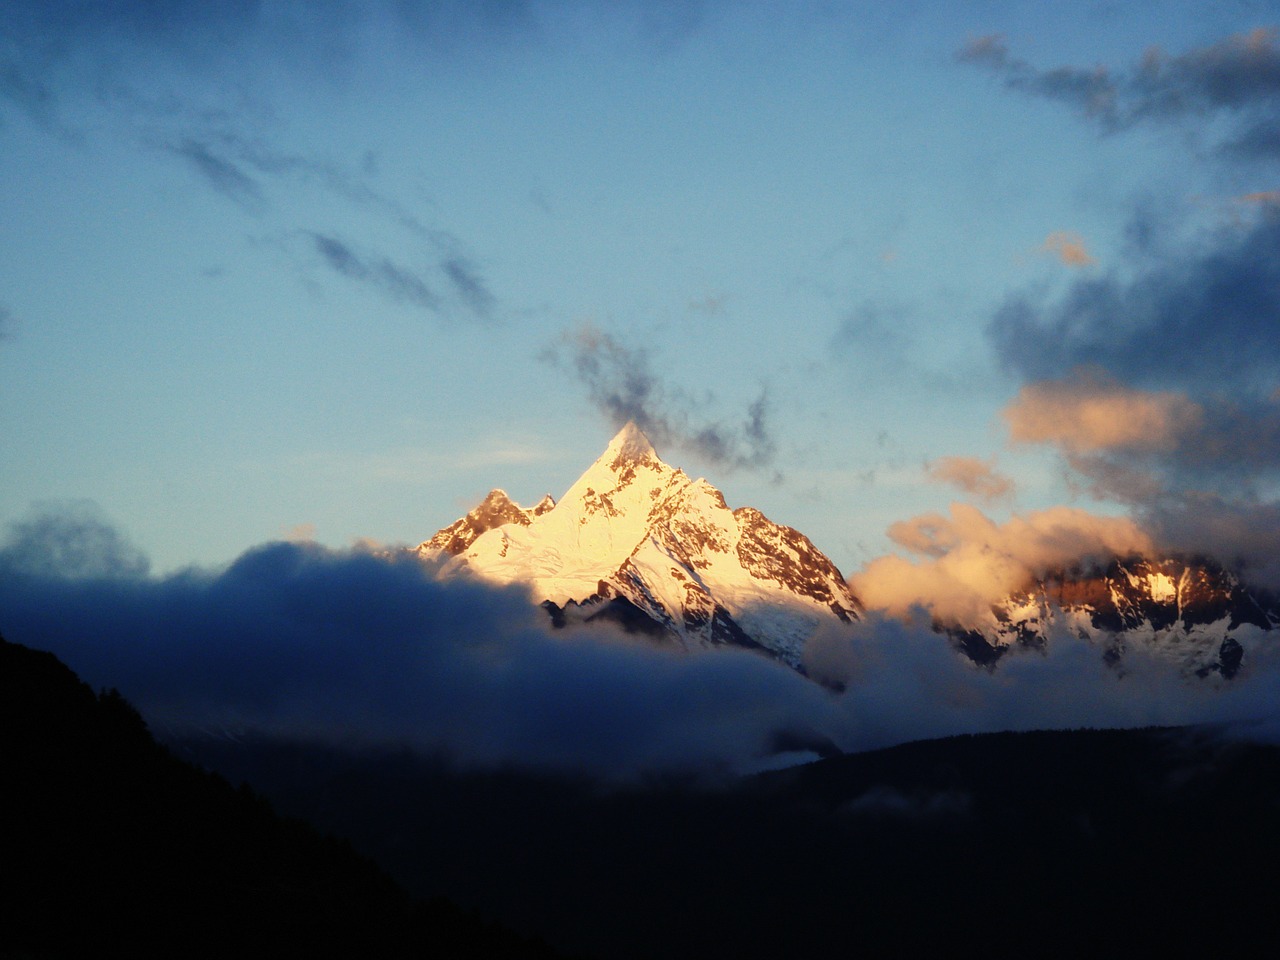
x=1191, y=613
x=494, y=510
x=634, y=536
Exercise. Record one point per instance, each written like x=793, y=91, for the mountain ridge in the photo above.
x=1190, y=612
x=634, y=533
x=642, y=545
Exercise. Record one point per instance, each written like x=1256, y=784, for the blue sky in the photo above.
x=336, y=269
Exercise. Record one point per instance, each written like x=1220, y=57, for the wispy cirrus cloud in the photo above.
x=469, y=285
x=221, y=173
x=398, y=282
x=112, y=67
x=1238, y=77
x=27, y=91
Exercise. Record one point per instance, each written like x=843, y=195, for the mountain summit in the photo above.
x=641, y=542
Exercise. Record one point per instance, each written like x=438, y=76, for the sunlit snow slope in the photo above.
x=636, y=536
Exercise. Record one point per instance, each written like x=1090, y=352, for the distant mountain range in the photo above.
x=641, y=544
x=1195, y=615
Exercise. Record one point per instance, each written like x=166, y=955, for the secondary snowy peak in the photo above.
x=495, y=510
x=634, y=536
x=1193, y=614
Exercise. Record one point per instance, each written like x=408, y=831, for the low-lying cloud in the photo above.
x=356, y=649
x=965, y=561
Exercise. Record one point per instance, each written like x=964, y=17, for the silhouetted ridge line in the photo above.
x=113, y=845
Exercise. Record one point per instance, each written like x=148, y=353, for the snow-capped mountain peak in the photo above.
x=629, y=445
x=639, y=540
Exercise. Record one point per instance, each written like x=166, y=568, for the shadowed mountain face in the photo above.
x=1192, y=614
x=112, y=846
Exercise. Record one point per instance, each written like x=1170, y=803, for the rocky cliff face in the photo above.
x=1191, y=613
x=494, y=510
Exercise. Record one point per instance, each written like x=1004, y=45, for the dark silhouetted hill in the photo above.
x=111, y=846
x=1062, y=844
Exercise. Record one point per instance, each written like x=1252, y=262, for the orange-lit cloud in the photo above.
x=969, y=562
x=1264, y=197
x=1089, y=412
x=1069, y=248
x=975, y=477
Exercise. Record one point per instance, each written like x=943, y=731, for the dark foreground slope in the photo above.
x=110, y=846
x=1100, y=843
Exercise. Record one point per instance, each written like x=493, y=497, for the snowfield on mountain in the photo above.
x=639, y=543
x=636, y=534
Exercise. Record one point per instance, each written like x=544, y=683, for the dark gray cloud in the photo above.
x=1238, y=76
x=469, y=285
x=1259, y=141
x=354, y=648
x=1092, y=90
x=621, y=382
x=1197, y=328
x=339, y=256
x=398, y=282
x=1205, y=315
x=1242, y=532
x=1196, y=319
x=1199, y=325
x=29, y=93
x=225, y=176
x=71, y=540
x=1220, y=512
